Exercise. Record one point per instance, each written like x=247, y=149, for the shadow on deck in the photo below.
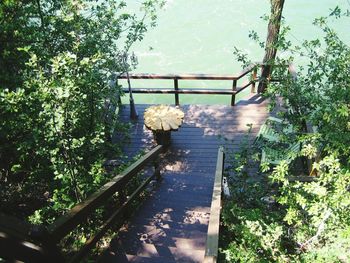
x=171, y=225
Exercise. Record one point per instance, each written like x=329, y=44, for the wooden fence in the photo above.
x=28, y=243
x=176, y=90
x=212, y=245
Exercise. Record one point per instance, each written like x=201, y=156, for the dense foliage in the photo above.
x=272, y=218
x=58, y=61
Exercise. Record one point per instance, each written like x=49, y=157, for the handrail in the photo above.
x=189, y=91
x=22, y=241
x=212, y=244
x=63, y=225
x=189, y=76
x=180, y=76
x=176, y=77
x=43, y=242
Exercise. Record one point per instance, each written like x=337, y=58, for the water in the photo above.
x=198, y=36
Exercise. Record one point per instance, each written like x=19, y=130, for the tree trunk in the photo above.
x=271, y=41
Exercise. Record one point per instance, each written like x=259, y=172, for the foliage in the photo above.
x=252, y=231
x=269, y=218
x=324, y=85
x=57, y=104
x=272, y=218
x=75, y=240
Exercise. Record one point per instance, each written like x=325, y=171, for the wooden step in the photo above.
x=171, y=224
x=154, y=253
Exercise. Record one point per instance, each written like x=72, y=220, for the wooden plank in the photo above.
x=181, y=91
x=191, y=134
x=247, y=70
x=231, y=122
x=181, y=76
x=15, y=241
x=13, y=226
x=16, y=249
x=238, y=90
x=114, y=217
x=250, y=105
x=22, y=241
x=189, y=166
x=211, y=91
x=190, y=76
x=212, y=245
x=66, y=223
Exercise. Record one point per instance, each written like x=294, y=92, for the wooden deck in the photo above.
x=171, y=225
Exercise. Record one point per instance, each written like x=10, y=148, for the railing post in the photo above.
x=233, y=97
x=254, y=79
x=261, y=80
x=23, y=242
x=157, y=169
x=176, y=88
x=265, y=77
x=50, y=247
x=119, y=100
x=122, y=197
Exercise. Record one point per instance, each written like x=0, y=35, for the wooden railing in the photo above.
x=212, y=245
x=29, y=243
x=176, y=90
x=21, y=241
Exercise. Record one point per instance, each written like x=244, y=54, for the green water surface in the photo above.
x=198, y=36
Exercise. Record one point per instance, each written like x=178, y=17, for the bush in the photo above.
x=273, y=219
x=56, y=103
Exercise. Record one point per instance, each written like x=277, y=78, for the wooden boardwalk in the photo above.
x=171, y=225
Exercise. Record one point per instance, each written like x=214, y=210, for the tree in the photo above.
x=271, y=41
x=282, y=217
x=57, y=59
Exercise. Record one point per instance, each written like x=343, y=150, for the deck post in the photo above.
x=261, y=80
x=53, y=252
x=176, y=88
x=157, y=169
x=119, y=100
x=234, y=87
x=253, y=80
x=121, y=197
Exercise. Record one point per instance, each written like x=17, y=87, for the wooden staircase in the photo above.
x=172, y=224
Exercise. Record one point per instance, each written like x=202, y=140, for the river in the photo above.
x=199, y=36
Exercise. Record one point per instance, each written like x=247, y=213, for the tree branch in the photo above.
x=320, y=229
x=40, y=14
